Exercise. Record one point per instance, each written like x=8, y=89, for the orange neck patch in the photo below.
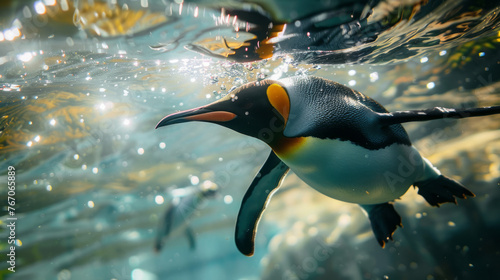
x=285, y=146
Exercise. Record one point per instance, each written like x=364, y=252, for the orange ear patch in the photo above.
x=279, y=100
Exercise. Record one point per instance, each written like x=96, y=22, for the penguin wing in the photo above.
x=164, y=228
x=190, y=237
x=434, y=113
x=255, y=201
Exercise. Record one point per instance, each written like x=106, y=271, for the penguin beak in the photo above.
x=197, y=114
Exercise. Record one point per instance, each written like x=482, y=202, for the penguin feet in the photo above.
x=384, y=220
x=441, y=190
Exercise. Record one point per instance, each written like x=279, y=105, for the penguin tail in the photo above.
x=441, y=190
x=434, y=114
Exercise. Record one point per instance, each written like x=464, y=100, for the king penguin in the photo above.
x=337, y=140
x=183, y=205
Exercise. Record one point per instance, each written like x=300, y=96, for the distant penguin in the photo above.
x=185, y=201
x=337, y=140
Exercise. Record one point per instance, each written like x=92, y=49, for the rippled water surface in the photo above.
x=82, y=86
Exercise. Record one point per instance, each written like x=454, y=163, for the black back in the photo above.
x=328, y=110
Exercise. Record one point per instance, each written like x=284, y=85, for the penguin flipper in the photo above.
x=434, y=113
x=190, y=237
x=441, y=190
x=255, y=201
x=384, y=221
x=164, y=228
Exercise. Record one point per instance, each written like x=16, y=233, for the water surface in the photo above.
x=82, y=87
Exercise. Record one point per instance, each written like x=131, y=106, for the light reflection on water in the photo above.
x=78, y=123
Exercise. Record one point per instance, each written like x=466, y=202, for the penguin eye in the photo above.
x=278, y=98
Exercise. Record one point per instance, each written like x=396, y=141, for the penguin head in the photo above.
x=258, y=109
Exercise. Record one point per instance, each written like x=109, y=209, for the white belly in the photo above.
x=347, y=172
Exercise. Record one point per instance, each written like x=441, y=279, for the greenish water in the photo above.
x=79, y=104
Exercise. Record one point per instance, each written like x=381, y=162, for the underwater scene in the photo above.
x=90, y=189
